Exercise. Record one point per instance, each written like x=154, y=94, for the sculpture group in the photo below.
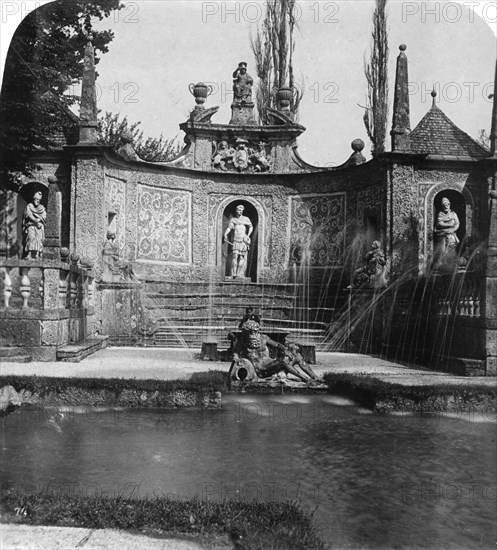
x=252, y=360
x=240, y=156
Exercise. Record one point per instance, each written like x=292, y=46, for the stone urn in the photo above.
x=200, y=92
x=284, y=97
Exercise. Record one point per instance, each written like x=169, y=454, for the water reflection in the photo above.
x=423, y=481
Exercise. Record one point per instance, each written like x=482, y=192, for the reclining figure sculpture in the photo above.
x=251, y=359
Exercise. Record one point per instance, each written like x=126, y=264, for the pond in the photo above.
x=373, y=481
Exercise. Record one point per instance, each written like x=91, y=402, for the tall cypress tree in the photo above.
x=376, y=71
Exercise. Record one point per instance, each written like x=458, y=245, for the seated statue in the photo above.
x=373, y=274
x=251, y=355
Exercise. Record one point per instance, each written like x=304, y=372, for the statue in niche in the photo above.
x=242, y=84
x=446, y=240
x=33, y=227
x=251, y=355
x=242, y=229
x=222, y=155
x=374, y=273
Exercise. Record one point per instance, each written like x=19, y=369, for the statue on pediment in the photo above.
x=242, y=84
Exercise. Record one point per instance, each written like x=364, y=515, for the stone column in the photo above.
x=53, y=224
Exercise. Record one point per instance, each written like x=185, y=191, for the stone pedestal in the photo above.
x=209, y=351
x=242, y=114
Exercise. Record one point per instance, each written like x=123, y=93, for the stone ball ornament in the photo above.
x=74, y=258
x=357, y=145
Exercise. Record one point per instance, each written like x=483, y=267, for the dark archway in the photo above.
x=250, y=212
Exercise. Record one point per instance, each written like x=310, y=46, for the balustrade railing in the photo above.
x=46, y=284
x=458, y=295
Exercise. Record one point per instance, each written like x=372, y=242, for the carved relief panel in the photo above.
x=317, y=230
x=241, y=156
x=164, y=225
x=115, y=201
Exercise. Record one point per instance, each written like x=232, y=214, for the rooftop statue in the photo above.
x=242, y=84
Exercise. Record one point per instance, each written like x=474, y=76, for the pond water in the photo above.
x=425, y=481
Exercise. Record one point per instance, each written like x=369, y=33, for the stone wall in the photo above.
x=169, y=222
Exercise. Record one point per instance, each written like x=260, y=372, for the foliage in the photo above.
x=483, y=138
x=376, y=71
x=44, y=61
x=209, y=381
x=273, y=47
x=113, y=132
x=250, y=525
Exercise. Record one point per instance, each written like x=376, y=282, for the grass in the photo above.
x=252, y=525
x=214, y=380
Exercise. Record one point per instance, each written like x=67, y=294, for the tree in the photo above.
x=483, y=138
x=273, y=47
x=376, y=71
x=113, y=132
x=44, y=60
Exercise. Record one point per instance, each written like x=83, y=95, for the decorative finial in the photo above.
x=402, y=47
x=433, y=95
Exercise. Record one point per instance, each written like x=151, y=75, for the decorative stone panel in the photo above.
x=317, y=229
x=116, y=201
x=369, y=202
x=164, y=225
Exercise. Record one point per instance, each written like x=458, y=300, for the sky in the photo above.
x=161, y=46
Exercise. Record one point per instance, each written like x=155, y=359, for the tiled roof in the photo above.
x=436, y=134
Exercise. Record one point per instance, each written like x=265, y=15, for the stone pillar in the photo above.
x=53, y=224
x=88, y=128
x=401, y=126
x=490, y=303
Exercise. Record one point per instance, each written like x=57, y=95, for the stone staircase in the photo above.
x=188, y=314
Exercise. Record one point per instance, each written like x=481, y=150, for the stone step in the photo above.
x=233, y=322
x=74, y=353
x=14, y=354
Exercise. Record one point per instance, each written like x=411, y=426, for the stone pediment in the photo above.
x=241, y=149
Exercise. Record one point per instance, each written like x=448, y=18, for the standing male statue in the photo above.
x=242, y=229
x=33, y=227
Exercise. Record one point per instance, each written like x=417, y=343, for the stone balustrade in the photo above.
x=458, y=295
x=46, y=285
x=45, y=304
